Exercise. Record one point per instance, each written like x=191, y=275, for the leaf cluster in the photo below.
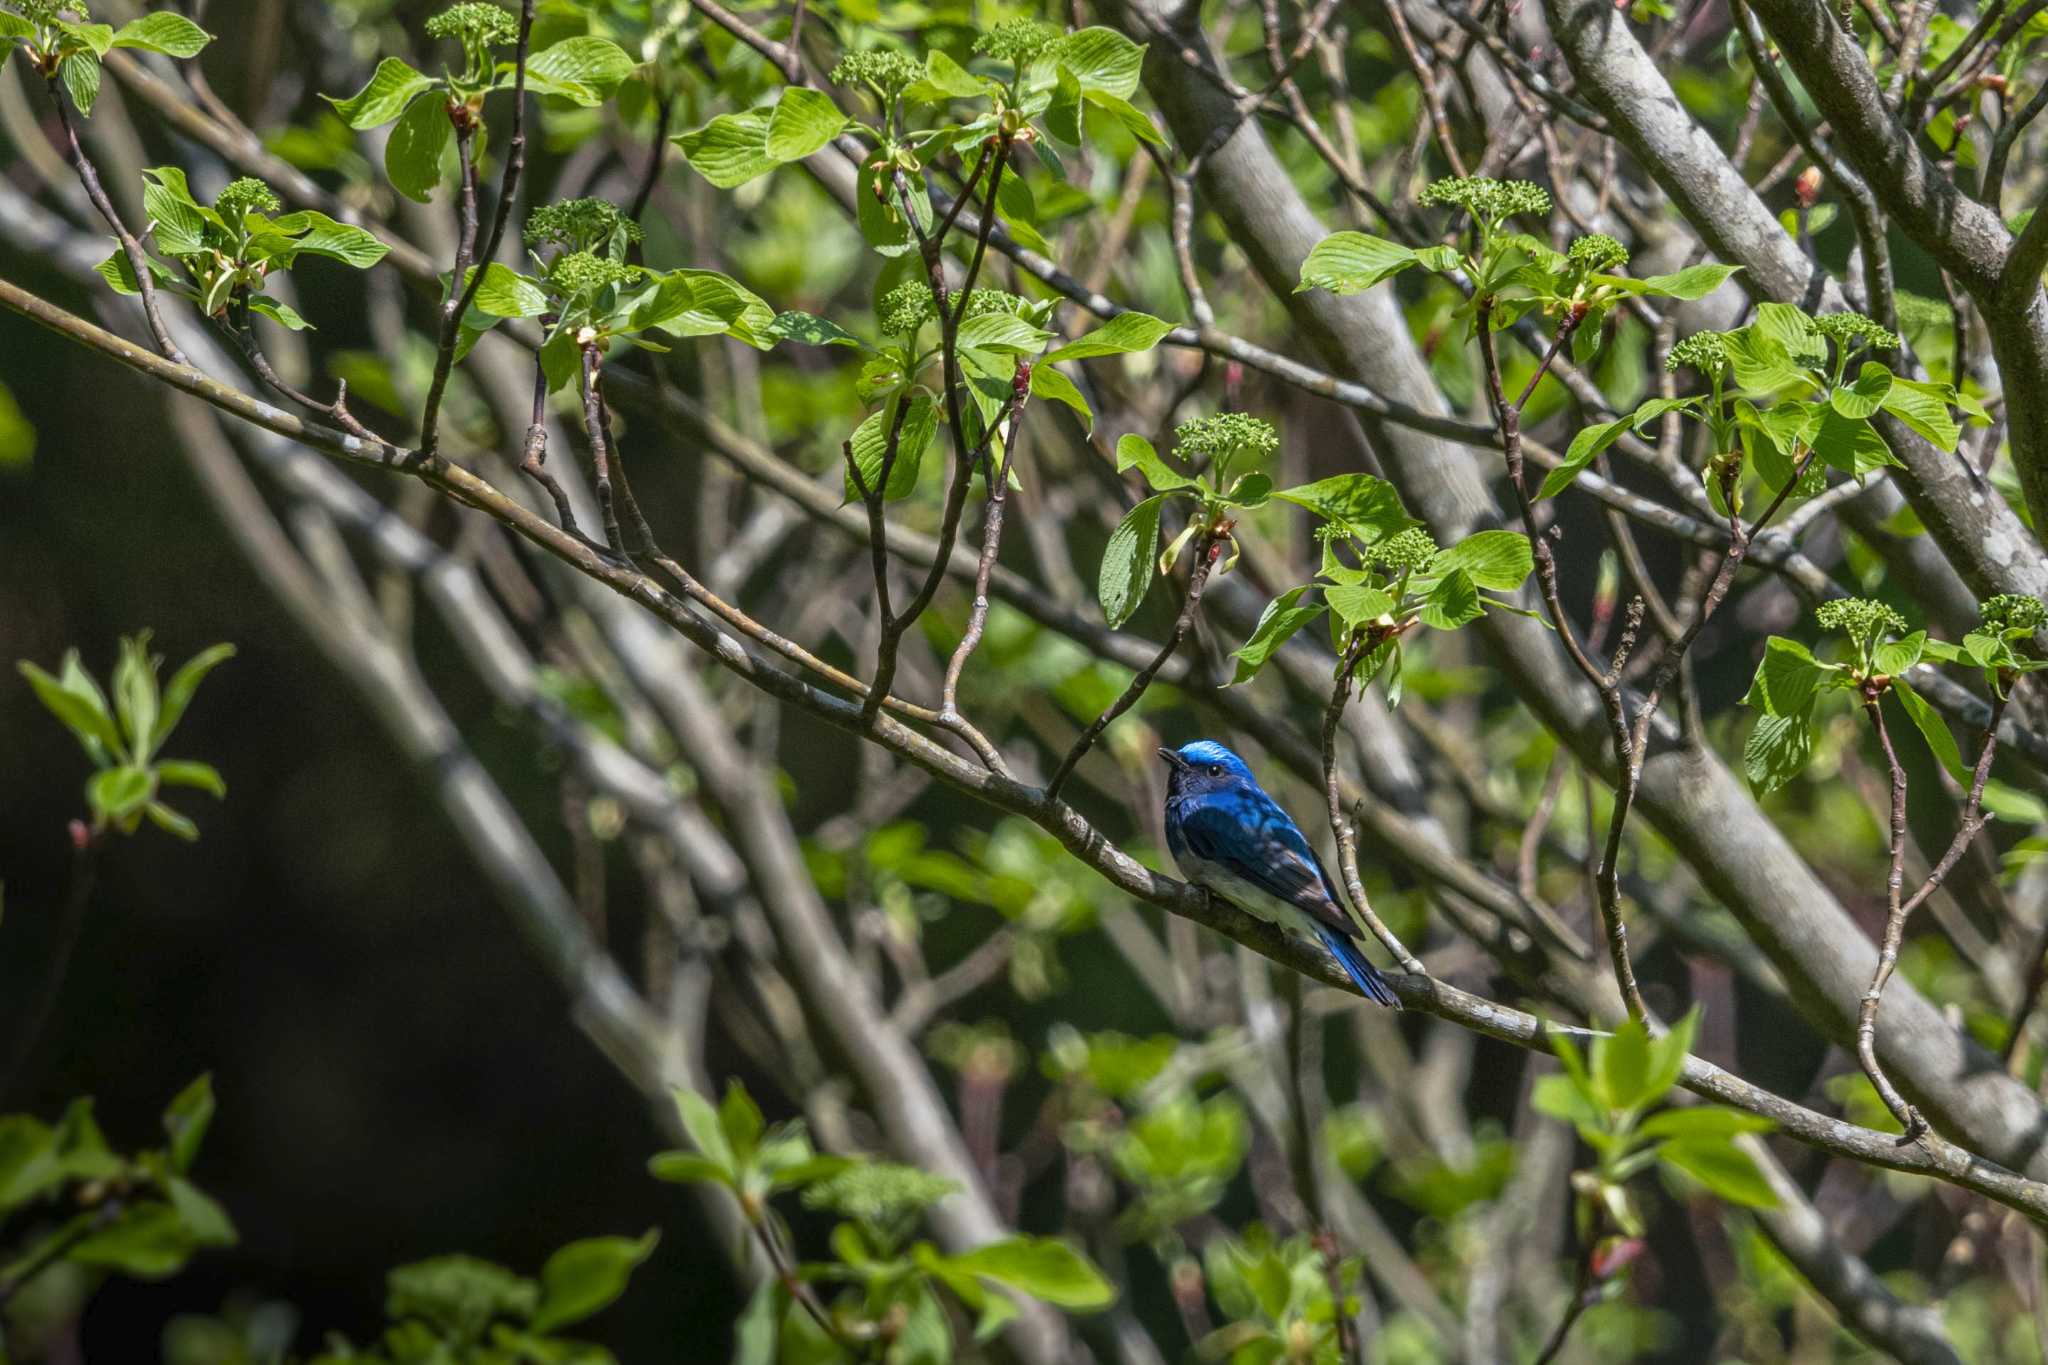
x=69, y=50
x=225, y=253
x=123, y=738
x=884, y=1285
x=66, y=1197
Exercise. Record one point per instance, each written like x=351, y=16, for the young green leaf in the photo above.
x=1453, y=602
x=1041, y=1267
x=871, y=447
x=1101, y=59
x=1723, y=1168
x=1123, y=334
x=1499, y=560
x=731, y=149
x=1786, y=678
x=1779, y=748
x=164, y=31
x=1933, y=729
x=1925, y=408
x=1350, y=262
x=1135, y=452
x=1362, y=503
x=384, y=97
x=1277, y=624
x=804, y=121
x=412, y=156
x=1127, y=561
x=585, y=1277
x=1049, y=383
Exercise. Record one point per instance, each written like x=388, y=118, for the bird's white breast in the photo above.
x=1253, y=900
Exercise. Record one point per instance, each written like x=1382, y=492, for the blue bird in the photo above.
x=1232, y=838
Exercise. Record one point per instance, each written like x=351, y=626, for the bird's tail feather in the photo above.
x=1362, y=973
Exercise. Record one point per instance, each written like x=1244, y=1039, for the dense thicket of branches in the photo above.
x=1453, y=407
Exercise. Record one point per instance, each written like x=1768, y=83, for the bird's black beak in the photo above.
x=1173, y=760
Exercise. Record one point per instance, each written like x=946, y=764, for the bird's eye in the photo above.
x=1215, y=770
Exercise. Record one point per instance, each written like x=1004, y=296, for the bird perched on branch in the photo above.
x=1229, y=836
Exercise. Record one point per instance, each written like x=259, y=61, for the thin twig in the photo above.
x=1340, y=822
x=86, y=842
x=463, y=285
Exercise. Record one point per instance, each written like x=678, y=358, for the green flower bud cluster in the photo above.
x=982, y=301
x=1596, y=251
x=1404, y=551
x=578, y=224
x=1859, y=617
x=577, y=273
x=888, y=72
x=2012, y=611
x=475, y=25
x=43, y=13
x=1227, y=433
x=1490, y=201
x=1703, y=351
x=906, y=308
x=1853, y=329
x=879, y=1192
x=1019, y=42
x=244, y=196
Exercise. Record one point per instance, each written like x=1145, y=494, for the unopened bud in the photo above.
x=1807, y=187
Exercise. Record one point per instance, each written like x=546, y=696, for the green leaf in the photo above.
x=1667, y=1054
x=1122, y=335
x=1101, y=59
x=700, y=1122
x=183, y=773
x=804, y=121
x=1349, y=262
x=170, y=822
x=1761, y=363
x=1127, y=561
x=585, y=1277
x=81, y=73
x=1621, y=1066
x=186, y=1120
x=741, y=1120
x=1703, y=1121
x=178, y=692
x=1357, y=605
x=882, y=224
x=323, y=236
x=1852, y=446
x=505, y=293
x=1693, y=282
x=944, y=79
x=136, y=701
x=1135, y=452
x=871, y=446
x=390, y=89
x=412, y=156
x=597, y=65
x=1063, y=113
x=1866, y=396
x=1561, y=1098
x=730, y=150
x=812, y=330
x=148, y=1241
x=117, y=793
x=82, y=710
x=1499, y=560
x=1126, y=113
x=1933, y=729
x=1452, y=603
x=1363, y=503
x=1041, y=1267
x=281, y=313
x=1778, y=748
x=1723, y=1168
x=685, y=1168
x=1277, y=624
x=1896, y=656
x=1001, y=334
x=1785, y=679
x=1049, y=383
x=206, y=1222
x=164, y=31
x=1793, y=329
x=1925, y=408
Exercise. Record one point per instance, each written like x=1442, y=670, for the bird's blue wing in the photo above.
x=1255, y=840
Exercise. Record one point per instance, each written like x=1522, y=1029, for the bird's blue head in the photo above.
x=1204, y=766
